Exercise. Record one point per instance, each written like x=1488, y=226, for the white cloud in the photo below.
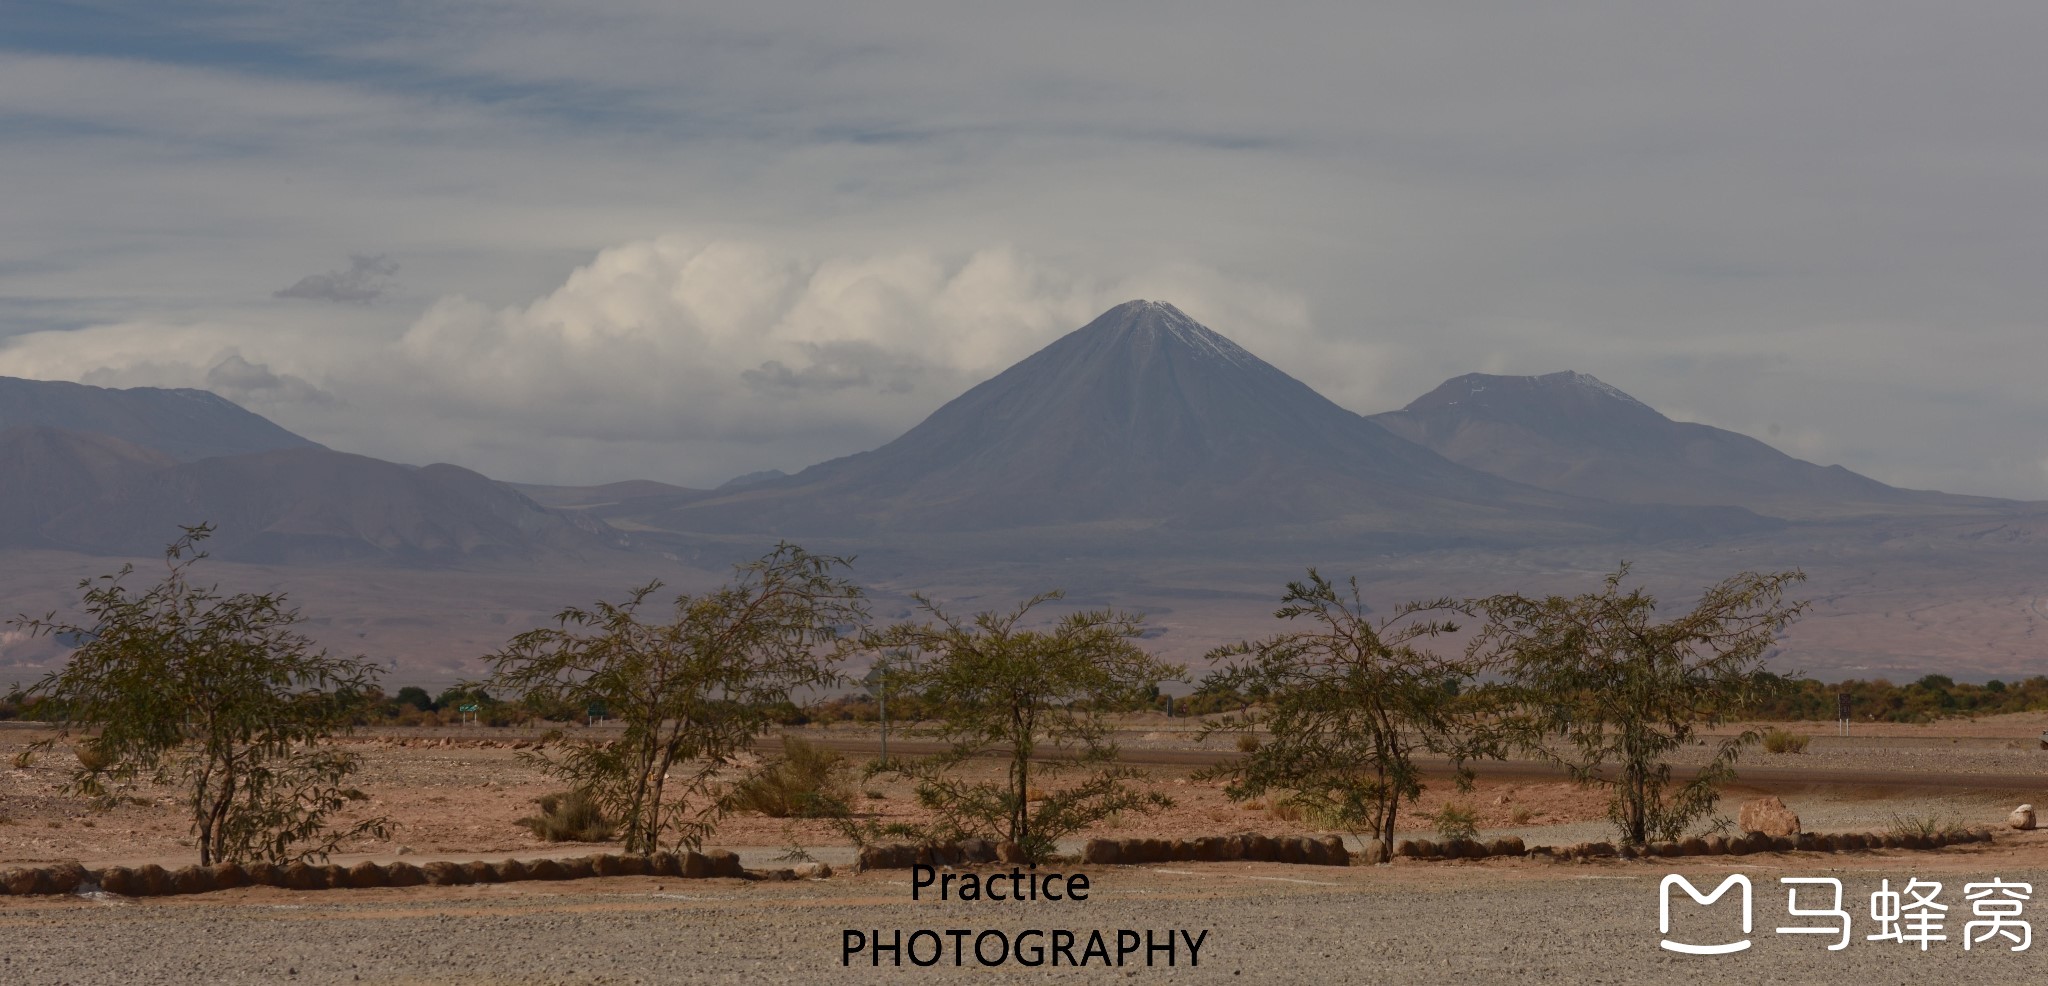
x=691, y=359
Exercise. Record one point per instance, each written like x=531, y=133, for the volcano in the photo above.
x=1143, y=418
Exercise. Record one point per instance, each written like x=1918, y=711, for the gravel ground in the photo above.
x=1416, y=923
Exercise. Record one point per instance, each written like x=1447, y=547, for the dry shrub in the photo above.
x=571, y=816
x=1785, y=741
x=91, y=758
x=1284, y=810
x=1455, y=823
x=806, y=781
x=1247, y=743
x=1521, y=816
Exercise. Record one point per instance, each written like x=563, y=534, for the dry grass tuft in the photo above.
x=572, y=816
x=1778, y=740
x=806, y=781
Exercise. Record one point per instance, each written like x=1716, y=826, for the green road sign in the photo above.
x=469, y=708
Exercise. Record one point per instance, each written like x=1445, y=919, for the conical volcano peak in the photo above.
x=1145, y=323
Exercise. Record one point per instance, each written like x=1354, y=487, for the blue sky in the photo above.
x=590, y=230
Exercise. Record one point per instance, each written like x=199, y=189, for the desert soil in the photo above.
x=458, y=794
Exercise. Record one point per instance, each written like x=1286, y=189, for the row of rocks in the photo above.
x=156, y=881
x=1325, y=850
x=1459, y=848
x=1754, y=842
x=966, y=852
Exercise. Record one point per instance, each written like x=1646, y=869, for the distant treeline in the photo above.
x=1935, y=696
x=1932, y=697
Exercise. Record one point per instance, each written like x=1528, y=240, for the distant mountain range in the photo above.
x=1141, y=460
x=185, y=425
x=299, y=504
x=1574, y=434
x=1141, y=424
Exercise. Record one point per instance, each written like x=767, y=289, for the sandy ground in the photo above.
x=459, y=793
x=1492, y=920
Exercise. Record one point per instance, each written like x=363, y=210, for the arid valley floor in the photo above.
x=456, y=794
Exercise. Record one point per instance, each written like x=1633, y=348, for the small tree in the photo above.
x=1622, y=689
x=217, y=695
x=690, y=693
x=996, y=688
x=1347, y=703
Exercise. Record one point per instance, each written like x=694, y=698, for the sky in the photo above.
x=582, y=243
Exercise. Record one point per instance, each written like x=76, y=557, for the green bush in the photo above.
x=806, y=781
x=571, y=816
x=1785, y=741
x=1454, y=822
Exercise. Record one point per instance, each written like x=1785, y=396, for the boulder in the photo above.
x=665, y=864
x=154, y=880
x=1371, y=851
x=1010, y=852
x=1508, y=845
x=402, y=874
x=697, y=866
x=228, y=876
x=889, y=857
x=304, y=876
x=479, y=872
x=266, y=874
x=1769, y=816
x=546, y=869
x=444, y=874
x=24, y=881
x=1426, y=849
x=2022, y=818
x=1097, y=851
x=1408, y=847
x=1693, y=846
x=725, y=862
x=337, y=874
x=634, y=865
x=367, y=874
x=193, y=880
x=508, y=871
x=119, y=880
x=63, y=878
x=580, y=868
x=976, y=851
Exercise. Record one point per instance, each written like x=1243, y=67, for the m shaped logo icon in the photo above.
x=1664, y=913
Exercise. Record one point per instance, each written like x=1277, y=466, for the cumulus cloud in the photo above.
x=717, y=356
x=363, y=282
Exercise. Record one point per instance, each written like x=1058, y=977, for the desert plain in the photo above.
x=456, y=793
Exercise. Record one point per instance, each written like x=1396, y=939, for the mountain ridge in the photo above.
x=1573, y=433
x=182, y=423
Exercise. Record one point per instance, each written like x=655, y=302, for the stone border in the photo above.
x=1326, y=850
x=1309, y=850
x=155, y=881
x=1754, y=842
